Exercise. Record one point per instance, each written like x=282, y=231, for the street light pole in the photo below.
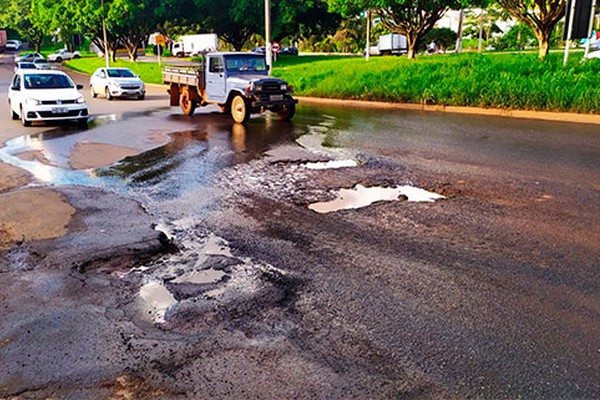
x=367, y=50
x=106, y=57
x=268, y=53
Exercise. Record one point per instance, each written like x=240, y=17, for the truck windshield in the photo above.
x=245, y=63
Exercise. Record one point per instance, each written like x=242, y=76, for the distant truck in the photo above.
x=389, y=44
x=239, y=83
x=3, y=39
x=193, y=45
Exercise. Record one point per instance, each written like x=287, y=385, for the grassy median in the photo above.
x=510, y=81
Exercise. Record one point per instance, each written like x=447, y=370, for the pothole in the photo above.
x=361, y=196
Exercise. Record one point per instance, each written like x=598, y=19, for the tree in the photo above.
x=540, y=15
x=56, y=16
x=233, y=20
x=444, y=39
x=15, y=14
x=483, y=23
x=411, y=18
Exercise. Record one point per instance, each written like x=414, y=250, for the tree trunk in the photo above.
x=461, y=16
x=543, y=38
x=412, y=40
x=479, y=44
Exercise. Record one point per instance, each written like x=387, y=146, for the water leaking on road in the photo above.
x=177, y=177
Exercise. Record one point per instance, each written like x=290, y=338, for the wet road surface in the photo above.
x=491, y=292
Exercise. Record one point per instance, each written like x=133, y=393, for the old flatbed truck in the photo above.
x=239, y=83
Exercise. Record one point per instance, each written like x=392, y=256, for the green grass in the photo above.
x=149, y=72
x=509, y=81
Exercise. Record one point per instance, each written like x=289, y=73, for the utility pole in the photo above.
x=590, y=29
x=367, y=53
x=106, y=56
x=569, y=27
x=268, y=53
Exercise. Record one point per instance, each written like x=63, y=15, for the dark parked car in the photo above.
x=289, y=50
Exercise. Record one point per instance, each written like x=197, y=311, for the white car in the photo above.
x=37, y=95
x=117, y=82
x=63, y=54
x=24, y=65
x=13, y=45
x=29, y=57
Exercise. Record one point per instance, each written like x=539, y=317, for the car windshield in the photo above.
x=120, y=73
x=47, y=81
x=245, y=63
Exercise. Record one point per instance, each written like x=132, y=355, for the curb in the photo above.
x=493, y=112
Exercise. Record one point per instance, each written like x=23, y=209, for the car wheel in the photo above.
x=141, y=97
x=93, y=92
x=107, y=94
x=58, y=59
x=240, y=109
x=24, y=119
x=76, y=56
x=13, y=115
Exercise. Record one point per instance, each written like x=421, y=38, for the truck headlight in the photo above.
x=283, y=87
x=80, y=100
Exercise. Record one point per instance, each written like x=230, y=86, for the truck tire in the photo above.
x=240, y=109
x=287, y=113
x=187, y=105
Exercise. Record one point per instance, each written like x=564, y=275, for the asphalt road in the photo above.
x=491, y=293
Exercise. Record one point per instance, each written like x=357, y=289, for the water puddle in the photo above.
x=156, y=300
x=201, y=277
x=361, y=196
x=331, y=164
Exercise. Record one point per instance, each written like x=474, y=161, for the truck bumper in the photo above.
x=272, y=104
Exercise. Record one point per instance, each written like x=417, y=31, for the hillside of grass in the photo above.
x=509, y=81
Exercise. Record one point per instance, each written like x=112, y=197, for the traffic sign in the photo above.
x=275, y=47
x=160, y=40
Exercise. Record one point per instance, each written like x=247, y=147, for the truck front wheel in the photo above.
x=287, y=112
x=240, y=109
x=187, y=105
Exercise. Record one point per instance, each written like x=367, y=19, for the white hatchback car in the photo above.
x=37, y=95
x=117, y=82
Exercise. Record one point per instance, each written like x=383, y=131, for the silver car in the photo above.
x=117, y=82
